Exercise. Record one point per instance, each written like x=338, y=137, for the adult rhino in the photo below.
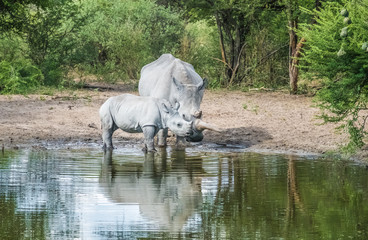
x=176, y=81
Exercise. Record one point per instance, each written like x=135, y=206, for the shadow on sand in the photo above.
x=243, y=136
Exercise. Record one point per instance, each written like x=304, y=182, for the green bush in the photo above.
x=200, y=48
x=51, y=34
x=339, y=61
x=19, y=77
x=12, y=48
x=17, y=73
x=126, y=35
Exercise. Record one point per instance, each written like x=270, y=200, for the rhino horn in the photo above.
x=197, y=114
x=201, y=125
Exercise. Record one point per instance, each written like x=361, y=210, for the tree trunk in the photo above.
x=293, y=69
x=295, y=47
x=235, y=38
x=222, y=46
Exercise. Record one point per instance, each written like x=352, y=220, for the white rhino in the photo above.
x=176, y=81
x=134, y=114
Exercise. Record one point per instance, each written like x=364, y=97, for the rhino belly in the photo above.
x=128, y=126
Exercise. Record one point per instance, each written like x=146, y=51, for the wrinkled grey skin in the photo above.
x=140, y=114
x=176, y=81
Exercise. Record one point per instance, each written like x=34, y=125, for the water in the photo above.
x=82, y=194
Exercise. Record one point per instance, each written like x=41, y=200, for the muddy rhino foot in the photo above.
x=163, y=145
x=146, y=150
x=107, y=148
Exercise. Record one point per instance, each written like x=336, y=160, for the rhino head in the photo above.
x=174, y=121
x=189, y=98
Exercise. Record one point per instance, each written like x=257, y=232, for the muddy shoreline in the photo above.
x=274, y=122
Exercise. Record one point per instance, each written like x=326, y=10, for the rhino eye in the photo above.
x=179, y=124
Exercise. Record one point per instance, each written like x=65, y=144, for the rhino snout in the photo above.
x=189, y=132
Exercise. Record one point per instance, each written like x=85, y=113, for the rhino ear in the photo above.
x=178, y=85
x=203, y=85
x=177, y=106
x=165, y=107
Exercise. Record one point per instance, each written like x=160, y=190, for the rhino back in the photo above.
x=157, y=77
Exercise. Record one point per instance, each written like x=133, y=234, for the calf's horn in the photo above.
x=201, y=125
x=197, y=114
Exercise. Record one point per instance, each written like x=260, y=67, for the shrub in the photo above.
x=126, y=35
x=200, y=48
x=333, y=53
x=19, y=77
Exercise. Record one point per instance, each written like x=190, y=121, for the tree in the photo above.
x=294, y=49
x=12, y=13
x=233, y=20
x=48, y=28
x=125, y=35
x=51, y=35
x=238, y=22
x=335, y=52
x=295, y=43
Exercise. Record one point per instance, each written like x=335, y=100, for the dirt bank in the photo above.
x=268, y=121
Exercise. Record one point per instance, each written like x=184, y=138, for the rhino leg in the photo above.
x=161, y=137
x=107, y=138
x=149, y=134
x=108, y=127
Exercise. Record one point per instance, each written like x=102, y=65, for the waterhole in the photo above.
x=86, y=194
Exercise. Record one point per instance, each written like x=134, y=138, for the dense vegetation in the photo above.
x=242, y=44
x=336, y=54
x=232, y=43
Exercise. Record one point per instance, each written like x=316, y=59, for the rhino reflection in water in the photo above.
x=168, y=192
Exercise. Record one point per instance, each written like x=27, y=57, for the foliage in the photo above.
x=17, y=73
x=49, y=31
x=199, y=47
x=12, y=13
x=252, y=38
x=114, y=39
x=51, y=37
x=233, y=20
x=19, y=77
x=12, y=47
x=342, y=65
x=266, y=52
x=125, y=35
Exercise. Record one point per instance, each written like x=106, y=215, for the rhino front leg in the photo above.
x=161, y=137
x=149, y=134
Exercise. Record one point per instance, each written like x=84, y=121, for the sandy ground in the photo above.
x=267, y=121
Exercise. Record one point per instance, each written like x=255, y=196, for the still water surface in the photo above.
x=84, y=194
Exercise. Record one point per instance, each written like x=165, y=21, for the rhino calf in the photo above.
x=134, y=114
